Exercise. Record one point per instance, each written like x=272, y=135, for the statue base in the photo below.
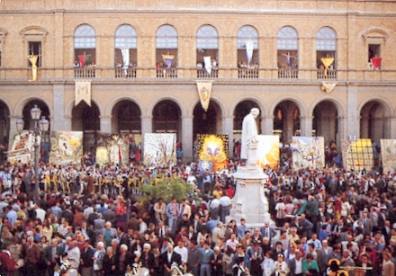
x=250, y=201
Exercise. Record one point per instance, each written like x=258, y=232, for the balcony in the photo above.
x=128, y=73
x=203, y=74
x=166, y=73
x=331, y=74
x=287, y=73
x=248, y=73
x=88, y=72
x=115, y=74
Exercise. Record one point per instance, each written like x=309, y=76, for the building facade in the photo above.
x=325, y=68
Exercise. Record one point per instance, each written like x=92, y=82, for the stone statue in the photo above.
x=249, y=134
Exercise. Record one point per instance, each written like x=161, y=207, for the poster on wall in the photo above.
x=22, y=149
x=212, y=151
x=388, y=154
x=268, y=151
x=159, y=149
x=358, y=154
x=66, y=147
x=307, y=152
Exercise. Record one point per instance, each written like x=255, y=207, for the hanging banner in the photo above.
x=208, y=64
x=125, y=59
x=249, y=50
x=204, y=91
x=82, y=92
x=308, y=152
x=358, y=154
x=33, y=60
x=168, y=60
x=66, y=147
x=388, y=154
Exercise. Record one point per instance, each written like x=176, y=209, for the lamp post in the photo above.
x=40, y=127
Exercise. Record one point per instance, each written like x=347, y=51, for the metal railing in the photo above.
x=88, y=72
x=166, y=73
x=248, y=73
x=203, y=74
x=129, y=73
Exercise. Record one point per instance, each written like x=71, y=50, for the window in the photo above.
x=374, y=56
x=166, y=51
x=287, y=43
x=34, y=48
x=326, y=43
x=247, y=52
x=84, y=46
x=207, y=51
x=125, y=53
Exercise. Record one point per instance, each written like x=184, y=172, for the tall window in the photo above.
x=207, y=51
x=326, y=41
x=247, y=52
x=166, y=51
x=125, y=53
x=34, y=49
x=84, y=46
x=288, y=52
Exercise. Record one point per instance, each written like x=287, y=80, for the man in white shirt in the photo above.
x=268, y=264
x=182, y=251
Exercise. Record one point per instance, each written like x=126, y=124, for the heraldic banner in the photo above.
x=388, y=154
x=66, y=147
x=82, y=92
x=204, y=91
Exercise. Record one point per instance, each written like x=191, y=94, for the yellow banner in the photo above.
x=204, y=92
x=33, y=60
x=82, y=92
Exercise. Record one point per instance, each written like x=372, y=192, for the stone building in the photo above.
x=144, y=57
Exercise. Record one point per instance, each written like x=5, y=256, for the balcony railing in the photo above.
x=287, y=73
x=248, y=73
x=87, y=72
x=127, y=73
x=242, y=74
x=204, y=74
x=331, y=74
x=167, y=73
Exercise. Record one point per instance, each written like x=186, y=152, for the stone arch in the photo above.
x=326, y=120
x=126, y=116
x=243, y=111
x=210, y=121
x=167, y=118
x=375, y=120
x=28, y=123
x=287, y=115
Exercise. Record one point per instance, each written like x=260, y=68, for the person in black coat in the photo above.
x=109, y=262
x=147, y=259
x=169, y=258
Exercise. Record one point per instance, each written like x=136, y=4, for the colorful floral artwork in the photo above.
x=307, y=152
x=213, y=149
x=388, y=154
x=358, y=154
x=268, y=151
x=159, y=149
x=66, y=147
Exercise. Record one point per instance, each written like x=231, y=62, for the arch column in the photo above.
x=306, y=126
x=58, y=117
x=267, y=125
x=392, y=127
x=105, y=124
x=68, y=122
x=228, y=129
x=147, y=124
x=187, y=137
x=13, y=130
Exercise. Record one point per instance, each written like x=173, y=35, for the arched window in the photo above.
x=207, y=52
x=85, y=45
x=326, y=44
x=166, y=51
x=287, y=43
x=247, y=52
x=125, y=53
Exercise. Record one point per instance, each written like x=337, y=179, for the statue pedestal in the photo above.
x=250, y=201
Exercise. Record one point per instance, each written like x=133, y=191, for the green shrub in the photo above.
x=166, y=189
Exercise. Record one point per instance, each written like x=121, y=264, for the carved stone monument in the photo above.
x=250, y=201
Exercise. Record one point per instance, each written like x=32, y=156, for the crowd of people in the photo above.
x=92, y=221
